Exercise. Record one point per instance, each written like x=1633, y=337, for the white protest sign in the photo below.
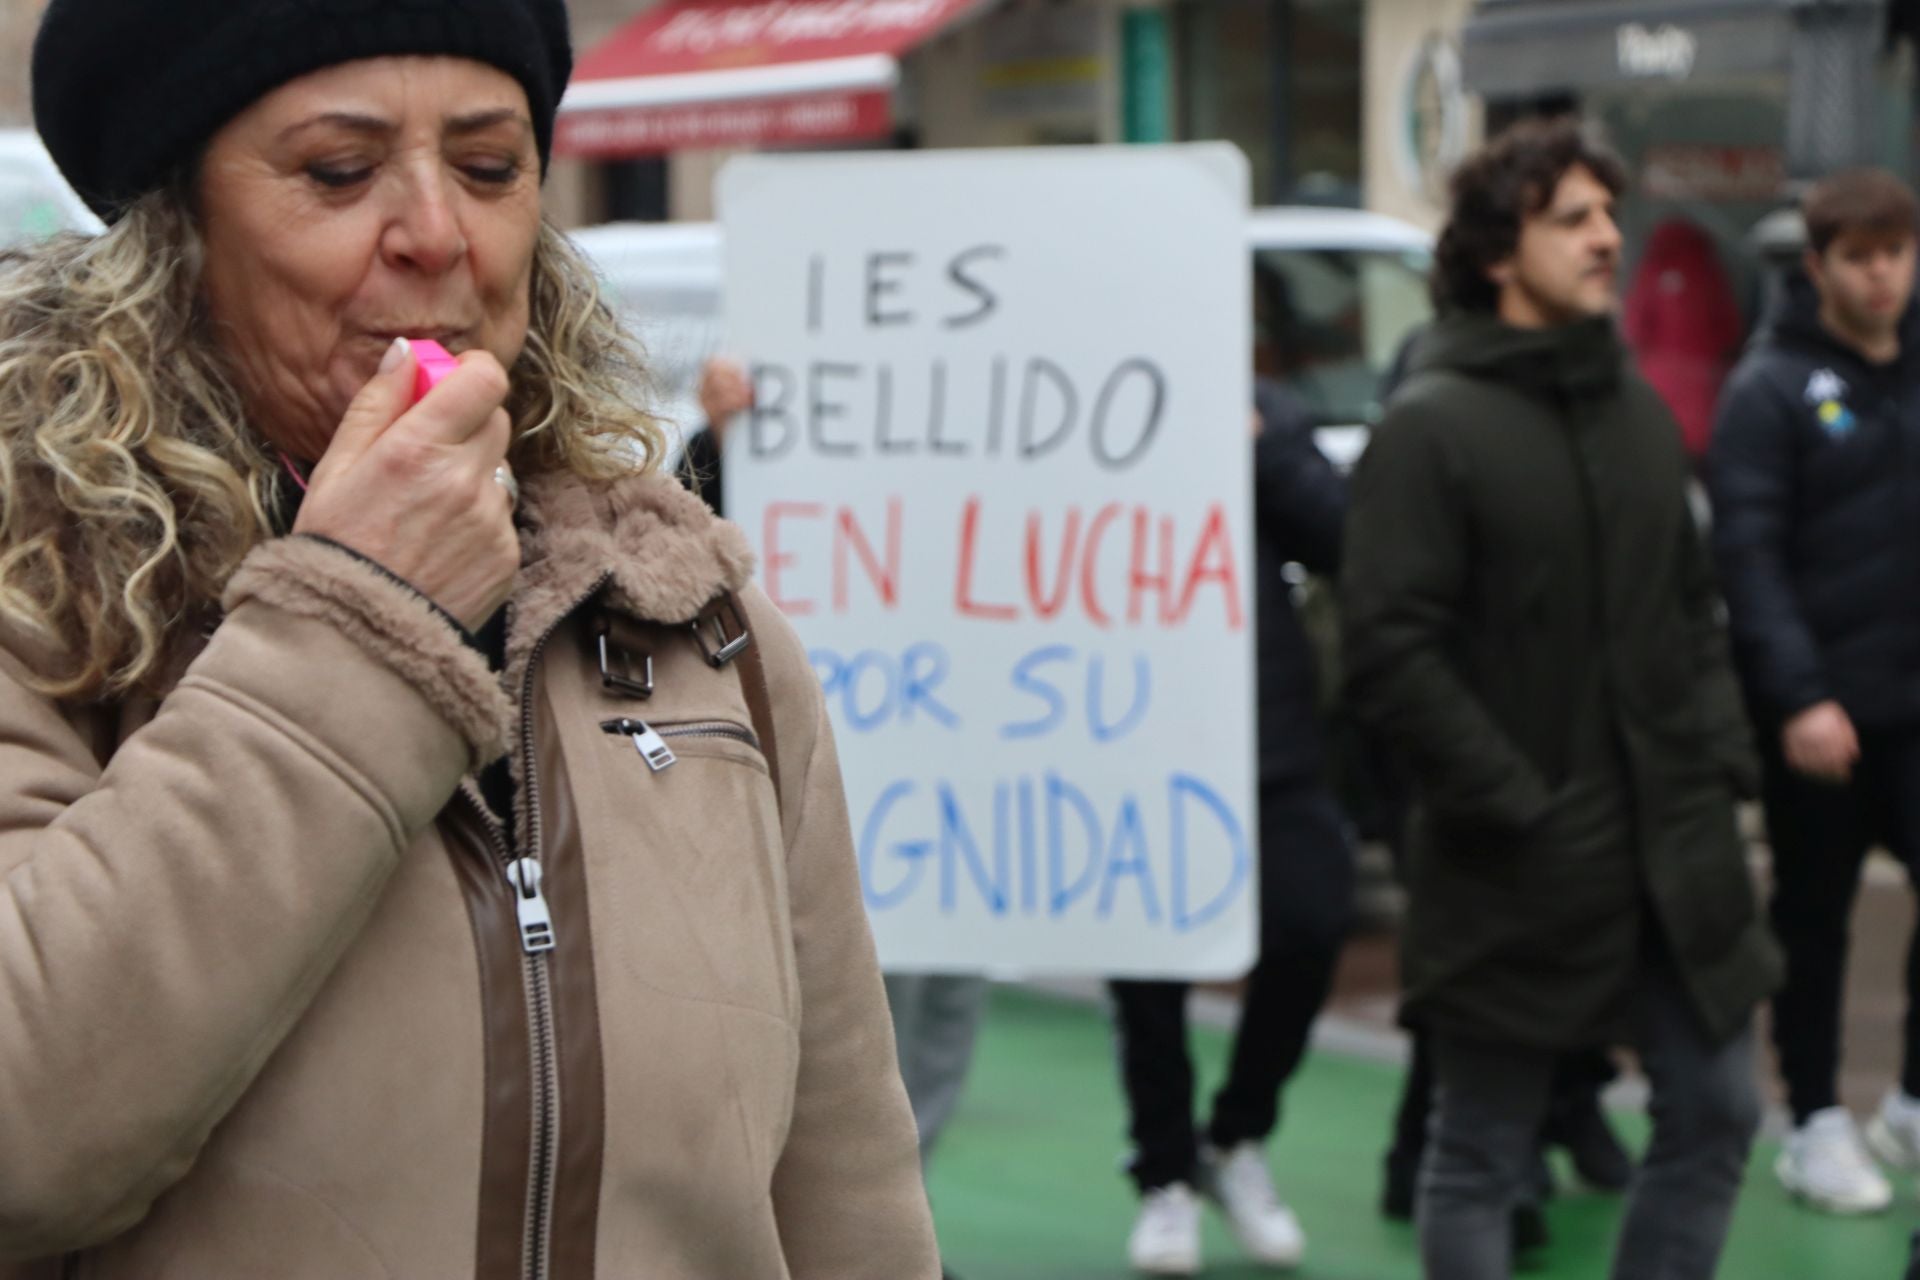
x=998, y=475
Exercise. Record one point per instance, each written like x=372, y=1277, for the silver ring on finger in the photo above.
x=503, y=476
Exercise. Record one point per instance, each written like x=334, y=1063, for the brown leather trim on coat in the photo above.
x=753, y=683
x=576, y=1012
x=507, y=1133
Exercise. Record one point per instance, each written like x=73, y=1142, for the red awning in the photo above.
x=712, y=73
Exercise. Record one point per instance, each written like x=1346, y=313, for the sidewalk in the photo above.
x=1027, y=1186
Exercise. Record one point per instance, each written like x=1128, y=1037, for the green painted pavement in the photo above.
x=1026, y=1184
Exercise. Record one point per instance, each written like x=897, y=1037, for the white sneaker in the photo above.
x=1825, y=1163
x=1894, y=1131
x=1238, y=1181
x=1166, y=1235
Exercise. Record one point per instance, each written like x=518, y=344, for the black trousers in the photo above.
x=1306, y=906
x=1821, y=834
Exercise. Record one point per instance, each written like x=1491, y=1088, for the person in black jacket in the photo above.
x=1528, y=614
x=1306, y=891
x=1815, y=478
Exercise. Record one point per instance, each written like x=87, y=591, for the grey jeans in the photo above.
x=1488, y=1106
x=935, y=1018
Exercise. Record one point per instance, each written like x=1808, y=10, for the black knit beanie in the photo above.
x=126, y=92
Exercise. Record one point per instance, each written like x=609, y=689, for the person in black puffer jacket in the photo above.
x=1815, y=477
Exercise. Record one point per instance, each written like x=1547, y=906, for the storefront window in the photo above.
x=1227, y=81
x=1282, y=80
x=1900, y=113
x=1712, y=158
x=1323, y=119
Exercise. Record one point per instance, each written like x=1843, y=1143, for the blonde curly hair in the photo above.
x=130, y=483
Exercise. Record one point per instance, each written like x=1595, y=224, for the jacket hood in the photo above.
x=1585, y=358
x=661, y=551
x=1794, y=322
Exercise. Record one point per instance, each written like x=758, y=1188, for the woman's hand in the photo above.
x=413, y=488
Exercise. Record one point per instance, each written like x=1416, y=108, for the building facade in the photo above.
x=1419, y=118
x=1285, y=80
x=18, y=21
x=1722, y=105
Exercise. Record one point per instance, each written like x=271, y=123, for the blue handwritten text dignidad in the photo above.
x=1038, y=847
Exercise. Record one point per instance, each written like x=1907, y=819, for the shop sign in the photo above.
x=813, y=118
x=716, y=32
x=1666, y=52
x=1046, y=60
x=1716, y=175
x=1434, y=118
x=998, y=477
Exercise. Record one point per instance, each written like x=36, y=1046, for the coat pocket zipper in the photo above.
x=650, y=740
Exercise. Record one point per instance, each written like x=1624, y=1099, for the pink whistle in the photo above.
x=432, y=362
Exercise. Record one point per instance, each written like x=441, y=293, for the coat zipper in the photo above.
x=537, y=937
x=1598, y=596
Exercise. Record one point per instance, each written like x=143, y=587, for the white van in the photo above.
x=35, y=201
x=1336, y=292
x=1351, y=287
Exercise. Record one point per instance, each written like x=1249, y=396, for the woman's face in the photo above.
x=393, y=197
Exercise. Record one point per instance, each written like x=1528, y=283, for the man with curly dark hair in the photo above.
x=1528, y=615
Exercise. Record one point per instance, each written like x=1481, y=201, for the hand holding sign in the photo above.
x=725, y=394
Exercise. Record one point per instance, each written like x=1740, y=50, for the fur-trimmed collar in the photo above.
x=662, y=552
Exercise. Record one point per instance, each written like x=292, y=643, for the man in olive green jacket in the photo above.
x=1529, y=617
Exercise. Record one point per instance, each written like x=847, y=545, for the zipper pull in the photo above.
x=530, y=904
x=653, y=748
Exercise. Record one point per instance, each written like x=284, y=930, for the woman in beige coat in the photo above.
x=424, y=852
